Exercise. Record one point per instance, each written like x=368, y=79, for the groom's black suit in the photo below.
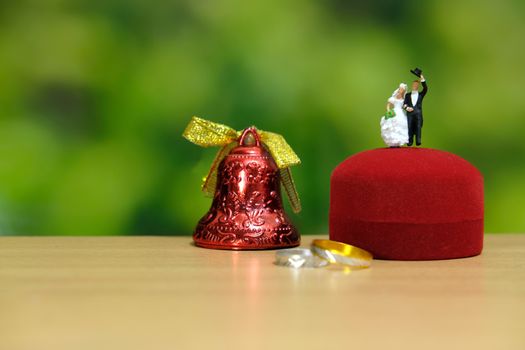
x=415, y=118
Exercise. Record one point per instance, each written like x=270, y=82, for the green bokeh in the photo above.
x=94, y=96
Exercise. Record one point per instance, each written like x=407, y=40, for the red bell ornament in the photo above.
x=247, y=211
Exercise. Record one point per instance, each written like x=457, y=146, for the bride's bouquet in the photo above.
x=390, y=114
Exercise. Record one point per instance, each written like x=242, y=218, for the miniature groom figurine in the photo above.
x=414, y=106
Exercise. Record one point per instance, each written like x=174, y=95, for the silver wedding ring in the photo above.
x=299, y=257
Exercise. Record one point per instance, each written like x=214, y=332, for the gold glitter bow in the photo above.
x=206, y=134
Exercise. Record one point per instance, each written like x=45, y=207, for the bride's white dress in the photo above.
x=394, y=131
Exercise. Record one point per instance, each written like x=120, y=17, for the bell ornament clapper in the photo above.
x=247, y=211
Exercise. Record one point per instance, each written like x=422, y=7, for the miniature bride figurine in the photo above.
x=394, y=125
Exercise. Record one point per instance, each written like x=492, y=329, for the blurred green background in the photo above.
x=94, y=96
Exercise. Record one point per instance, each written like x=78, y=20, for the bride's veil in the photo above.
x=402, y=85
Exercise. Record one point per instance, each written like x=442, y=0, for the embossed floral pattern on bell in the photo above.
x=247, y=210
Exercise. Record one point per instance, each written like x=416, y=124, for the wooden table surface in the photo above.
x=163, y=293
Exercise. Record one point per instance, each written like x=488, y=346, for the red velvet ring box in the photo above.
x=408, y=204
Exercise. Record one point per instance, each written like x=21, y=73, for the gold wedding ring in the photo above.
x=341, y=253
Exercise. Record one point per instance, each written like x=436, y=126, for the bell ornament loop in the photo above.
x=250, y=137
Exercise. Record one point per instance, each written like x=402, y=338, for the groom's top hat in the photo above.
x=416, y=72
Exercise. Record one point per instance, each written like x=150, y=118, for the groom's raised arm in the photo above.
x=425, y=86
